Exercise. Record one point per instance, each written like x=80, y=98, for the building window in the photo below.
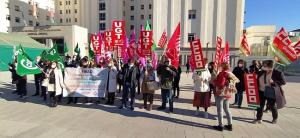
x=75, y=11
x=69, y=2
x=191, y=37
x=142, y=7
x=17, y=8
x=70, y=20
x=30, y=23
x=60, y=3
x=142, y=17
x=8, y=17
x=30, y=12
x=76, y=20
x=75, y=2
x=192, y=14
x=66, y=2
x=37, y=24
x=102, y=26
x=131, y=17
x=17, y=20
x=61, y=20
x=150, y=6
x=150, y=16
x=47, y=18
x=67, y=20
x=102, y=16
x=66, y=11
x=131, y=27
x=69, y=11
x=131, y=8
x=102, y=6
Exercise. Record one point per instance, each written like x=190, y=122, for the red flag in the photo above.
x=146, y=42
x=244, y=46
x=96, y=42
x=118, y=33
x=251, y=90
x=173, y=48
x=297, y=48
x=139, y=48
x=132, y=47
x=225, y=54
x=163, y=40
x=197, y=56
x=218, y=52
x=108, y=41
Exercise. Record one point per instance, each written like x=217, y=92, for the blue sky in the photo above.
x=282, y=13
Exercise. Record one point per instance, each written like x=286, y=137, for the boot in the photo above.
x=150, y=107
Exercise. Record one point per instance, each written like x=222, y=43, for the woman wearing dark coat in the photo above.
x=274, y=78
x=239, y=72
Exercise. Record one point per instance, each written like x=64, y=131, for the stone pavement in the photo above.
x=33, y=118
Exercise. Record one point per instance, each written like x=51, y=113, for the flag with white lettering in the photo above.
x=108, y=41
x=132, y=46
x=146, y=42
x=225, y=54
x=297, y=48
x=197, y=56
x=173, y=48
x=282, y=48
x=25, y=65
x=96, y=43
x=252, y=90
x=218, y=52
x=118, y=33
x=163, y=40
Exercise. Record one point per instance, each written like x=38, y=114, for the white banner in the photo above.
x=86, y=82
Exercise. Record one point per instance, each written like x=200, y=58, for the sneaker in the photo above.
x=161, y=108
x=229, y=127
x=206, y=115
x=219, y=128
x=274, y=121
x=257, y=121
x=197, y=113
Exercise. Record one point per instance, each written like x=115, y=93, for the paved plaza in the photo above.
x=33, y=118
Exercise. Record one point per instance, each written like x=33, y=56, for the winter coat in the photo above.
x=201, y=86
x=112, y=85
x=147, y=78
x=59, y=82
x=239, y=73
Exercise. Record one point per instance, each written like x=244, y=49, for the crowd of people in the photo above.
x=133, y=78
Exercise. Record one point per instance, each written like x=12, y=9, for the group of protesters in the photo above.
x=133, y=78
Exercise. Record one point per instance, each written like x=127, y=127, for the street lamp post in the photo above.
x=206, y=54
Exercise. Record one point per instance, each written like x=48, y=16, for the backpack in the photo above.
x=224, y=86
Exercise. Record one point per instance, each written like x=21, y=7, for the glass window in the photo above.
x=60, y=3
x=132, y=17
x=191, y=37
x=30, y=12
x=75, y=11
x=61, y=20
x=131, y=8
x=60, y=11
x=150, y=16
x=76, y=20
x=150, y=6
x=17, y=8
x=47, y=18
x=142, y=7
x=17, y=20
x=102, y=6
x=102, y=16
x=131, y=27
x=192, y=14
x=75, y=2
x=8, y=17
x=30, y=23
x=102, y=26
x=142, y=17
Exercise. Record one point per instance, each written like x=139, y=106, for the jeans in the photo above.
x=271, y=105
x=167, y=95
x=127, y=89
x=223, y=104
x=239, y=98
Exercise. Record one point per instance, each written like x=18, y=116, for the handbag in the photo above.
x=269, y=92
x=153, y=85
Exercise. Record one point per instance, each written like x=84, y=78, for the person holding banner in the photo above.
x=224, y=83
x=20, y=81
x=38, y=77
x=130, y=81
x=239, y=72
x=269, y=82
x=202, y=90
x=55, y=84
x=111, y=85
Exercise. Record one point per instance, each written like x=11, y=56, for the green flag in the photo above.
x=52, y=54
x=44, y=55
x=91, y=52
x=25, y=64
x=148, y=28
x=60, y=63
x=66, y=49
x=77, y=49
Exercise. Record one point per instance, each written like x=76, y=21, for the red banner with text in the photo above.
x=146, y=42
x=96, y=42
x=197, y=56
x=251, y=90
x=118, y=35
x=108, y=41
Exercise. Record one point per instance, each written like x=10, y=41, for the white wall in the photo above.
x=4, y=23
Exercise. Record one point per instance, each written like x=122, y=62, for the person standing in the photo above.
x=202, y=90
x=239, y=72
x=224, y=83
x=56, y=83
x=111, y=86
x=166, y=74
x=176, y=88
x=38, y=77
x=270, y=80
x=187, y=65
x=254, y=68
x=130, y=81
x=148, y=76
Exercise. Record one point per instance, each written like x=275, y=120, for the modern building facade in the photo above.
x=16, y=13
x=260, y=38
x=95, y=15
